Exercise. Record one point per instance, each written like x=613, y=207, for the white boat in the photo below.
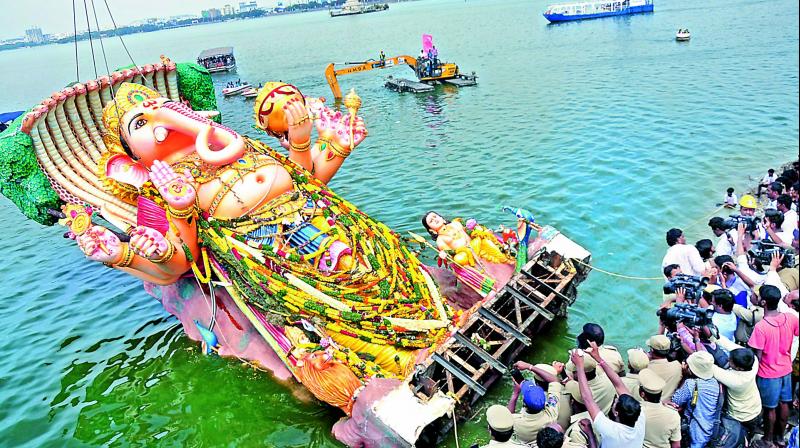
x=235, y=90
x=683, y=35
x=217, y=60
x=352, y=7
x=250, y=93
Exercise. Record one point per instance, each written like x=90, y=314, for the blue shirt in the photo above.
x=703, y=414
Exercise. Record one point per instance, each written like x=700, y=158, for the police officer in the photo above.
x=637, y=361
x=663, y=425
x=501, y=427
x=602, y=389
x=669, y=371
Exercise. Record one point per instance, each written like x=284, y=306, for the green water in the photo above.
x=607, y=129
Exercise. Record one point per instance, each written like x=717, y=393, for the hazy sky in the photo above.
x=55, y=16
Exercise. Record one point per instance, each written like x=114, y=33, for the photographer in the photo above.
x=700, y=339
x=723, y=317
x=747, y=268
x=682, y=254
x=700, y=398
x=726, y=244
x=730, y=277
x=773, y=222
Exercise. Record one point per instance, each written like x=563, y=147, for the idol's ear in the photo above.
x=123, y=169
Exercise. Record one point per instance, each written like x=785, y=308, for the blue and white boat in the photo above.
x=563, y=12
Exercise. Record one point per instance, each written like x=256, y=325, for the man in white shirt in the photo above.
x=784, y=204
x=773, y=225
x=629, y=428
x=726, y=244
x=775, y=189
x=766, y=180
x=730, y=200
x=682, y=254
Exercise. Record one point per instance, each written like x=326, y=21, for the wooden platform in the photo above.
x=407, y=85
x=488, y=344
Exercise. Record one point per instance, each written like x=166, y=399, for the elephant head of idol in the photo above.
x=146, y=127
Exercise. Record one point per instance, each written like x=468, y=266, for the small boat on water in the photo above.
x=217, y=60
x=352, y=7
x=252, y=92
x=236, y=89
x=683, y=35
x=563, y=12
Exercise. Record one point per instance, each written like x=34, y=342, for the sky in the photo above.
x=55, y=16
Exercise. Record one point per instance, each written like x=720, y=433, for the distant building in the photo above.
x=228, y=10
x=247, y=6
x=211, y=14
x=34, y=35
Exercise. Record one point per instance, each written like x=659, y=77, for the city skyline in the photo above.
x=20, y=17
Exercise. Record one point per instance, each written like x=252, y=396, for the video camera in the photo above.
x=693, y=285
x=762, y=251
x=689, y=314
x=732, y=222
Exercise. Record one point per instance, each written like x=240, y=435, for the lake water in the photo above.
x=608, y=129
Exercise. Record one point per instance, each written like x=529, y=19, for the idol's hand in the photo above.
x=100, y=244
x=299, y=122
x=148, y=243
x=177, y=189
x=342, y=136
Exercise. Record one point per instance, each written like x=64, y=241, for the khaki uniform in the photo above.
x=610, y=355
x=631, y=381
x=748, y=318
x=603, y=392
x=663, y=425
x=527, y=426
x=669, y=371
x=574, y=435
x=790, y=277
x=564, y=409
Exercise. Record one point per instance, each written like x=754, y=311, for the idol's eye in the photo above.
x=139, y=123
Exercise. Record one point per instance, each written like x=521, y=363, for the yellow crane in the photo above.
x=443, y=71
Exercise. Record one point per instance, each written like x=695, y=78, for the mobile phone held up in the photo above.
x=517, y=375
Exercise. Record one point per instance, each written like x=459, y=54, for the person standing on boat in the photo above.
x=435, y=56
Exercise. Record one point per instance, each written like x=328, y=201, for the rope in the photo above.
x=455, y=428
x=75, y=38
x=614, y=274
x=103, y=49
x=113, y=22
x=694, y=223
x=91, y=45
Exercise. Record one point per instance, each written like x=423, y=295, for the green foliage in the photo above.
x=21, y=179
x=195, y=85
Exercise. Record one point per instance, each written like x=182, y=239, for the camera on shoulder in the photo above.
x=732, y=222
x=761, y=253
x=693, y=285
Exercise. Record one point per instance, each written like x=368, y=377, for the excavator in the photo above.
x=442, y=72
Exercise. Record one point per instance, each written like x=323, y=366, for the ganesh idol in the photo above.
x=234, y=212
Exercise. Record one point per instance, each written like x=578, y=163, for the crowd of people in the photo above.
x=427, y=62
x=722, y=369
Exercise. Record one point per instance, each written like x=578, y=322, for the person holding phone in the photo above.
x=539, y=408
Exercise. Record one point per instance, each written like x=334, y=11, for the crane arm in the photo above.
x=331, y=73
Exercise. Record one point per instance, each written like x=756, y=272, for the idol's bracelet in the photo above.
x=125, y=260
x=168, y=254
x=338, y=150
x=301, y=147
x=180, y=214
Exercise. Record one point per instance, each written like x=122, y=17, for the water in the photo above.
x=608, y=129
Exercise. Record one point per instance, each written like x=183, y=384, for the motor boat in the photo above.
x=252, y=92
x=236, y=89
x=683, y=35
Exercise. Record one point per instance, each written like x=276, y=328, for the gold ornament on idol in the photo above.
x=352, y=102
